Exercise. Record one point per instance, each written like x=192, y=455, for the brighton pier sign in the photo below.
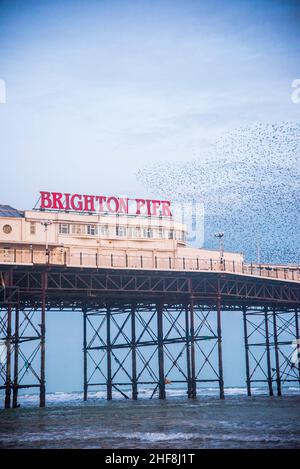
x=102, y=204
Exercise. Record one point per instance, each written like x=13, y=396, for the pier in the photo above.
x=147, y=321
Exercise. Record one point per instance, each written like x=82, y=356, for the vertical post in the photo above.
x=108, y=353
x=248, y=381
x=8, y=359
x=188, y=355
x=43, y=333
x=269, y=371
x=133, y=353
x=85, y=381
x=278, y=380
x=297, y=340
x=193, y=355
x=220, y=358
x=160, y=345
x=16, y=359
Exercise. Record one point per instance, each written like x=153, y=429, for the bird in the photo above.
x=248, y=180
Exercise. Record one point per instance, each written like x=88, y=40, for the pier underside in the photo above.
x=145, y=330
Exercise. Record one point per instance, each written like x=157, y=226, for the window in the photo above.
x=64, y=228
x=147, y=233
x=7, y=229
x=171, y=234
x=32, y=228
x=132, y=232
x=91, y=230
x=77, y=229
x=121, y=230
x=104, y=230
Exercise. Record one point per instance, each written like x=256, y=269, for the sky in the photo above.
x=98, y=90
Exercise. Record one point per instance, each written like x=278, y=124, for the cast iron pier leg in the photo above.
x=269, y=373
x=278, y=380
x=160, y=343
x=220, y=358
x=297, y=339
x=133, y=353
x=85, y=384
x=43, y=333
x=248, y=381
x=108, y=352
x=193, y=357
x=16, y=359
x=188, y=357
x=8, y=359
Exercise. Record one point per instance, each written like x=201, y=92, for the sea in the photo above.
x=177, y=422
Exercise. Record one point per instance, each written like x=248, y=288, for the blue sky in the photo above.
x=97, y=90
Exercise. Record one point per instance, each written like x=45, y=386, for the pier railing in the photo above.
x=145, y=260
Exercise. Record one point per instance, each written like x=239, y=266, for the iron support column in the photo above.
x=269, y=372
x=278, y=380
x=160, y=344
x=85, y=383
x=220, y=358
x=188, y=355
x=133, y=353
x=108, y=352
x=193, y=359
x=16, y=359
x=193, y=354
x=43, y=333
x=297, y=341
x=8, y=360
x=248, y=381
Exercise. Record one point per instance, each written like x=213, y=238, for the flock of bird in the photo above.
x=248, y=181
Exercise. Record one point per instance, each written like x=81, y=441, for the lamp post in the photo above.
x=45, y=224
x=220, y=236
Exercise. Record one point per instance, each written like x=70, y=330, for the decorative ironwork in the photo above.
x=271, y=338
x=147, y=331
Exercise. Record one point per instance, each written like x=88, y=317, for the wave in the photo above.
x=151, y=437
x=60, y=397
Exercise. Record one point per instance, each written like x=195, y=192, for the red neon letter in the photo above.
x=123, y=205
x=101, y=199
x=166, y=212
x=79, y=205
x=155, y=205
x=67, y=201
x=89, y=205
x=139, y=204
x=110, y=209
x=57, y=204
x=46, y=201
x=148, y=203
